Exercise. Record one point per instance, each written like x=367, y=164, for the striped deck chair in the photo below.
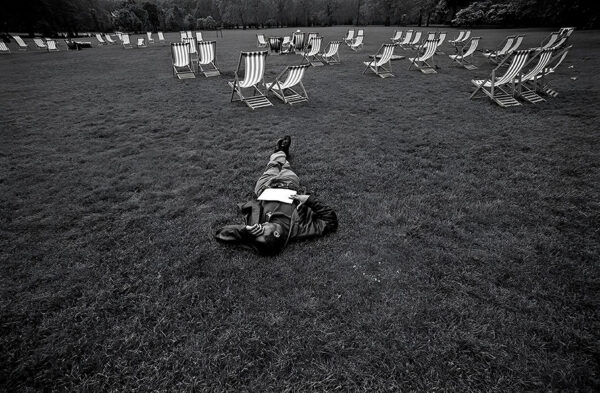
x=349, y=37
x=3, y=48
x=441, y=38
x=150, y=39
x=182, y=35
x=465, y=38
x=298, y=41
x=189, y=34
x=539, y=83
x=459, y=38
x=522, y=90
x=331, y=56
x=20, y=42
x=360, y=32
x=407, y=39
x=421, y=62
x=254, y=75
x=397, y=37
x=308, y=42
x=199, y=36
x=39, y=43
x=285, y=90
x=358, y=43
x=193, y=49
x=161, y=37
x=494, y=86
x=261, y=42
x=207, y=57
x=108, y=39
x=566, y=31
x=312, y=56
x=141, y=43
x=502, y=49
x=549, y=41
x=275, y=44
x=100, y=39
x=182, y=62
x=381, y=64
x=125, y=41
x=51, y=46
x=414, y=43
x=119, y=35
x=464, y=54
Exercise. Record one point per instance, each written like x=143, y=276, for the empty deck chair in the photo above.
x=182, y=35
x=141, y=43
x=331, y=55
x=39, y=43
x=357, y=44
x=381, y=64
x=523, y=90
x=459, y=38
x=20, y=42
x=285, y=90
x=275, y=44
x=254, y=75
x=407, y=39
x=539, y=83
x=424, y=61
x=149, y=36
x=464, y=54
x=494, y=87
x=189, y=34
x=414, y=43
x=100, y=39
x=4, y=48
x=349, y=37
x=207, y=57
x=199, y=36
x=502, y=49
x=182, y=62
x=161, y=37
x=360, y=32
x=298, y=40
x=125, y=41
x=549, y=41
x=441, y=38
x=312, y=55
x=261, y=42
x=51, y=46
x=193, y=49
x=397, y=37
x=108, y=39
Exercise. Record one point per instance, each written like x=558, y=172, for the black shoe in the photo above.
x=284, y=145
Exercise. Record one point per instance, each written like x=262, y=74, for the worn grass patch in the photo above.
x=466, y=257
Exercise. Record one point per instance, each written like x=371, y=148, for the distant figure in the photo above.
x=271, y=224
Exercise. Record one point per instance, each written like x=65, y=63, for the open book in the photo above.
x=277, y=194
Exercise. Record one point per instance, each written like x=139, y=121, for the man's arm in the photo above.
x=316, y=218
x=233, y=234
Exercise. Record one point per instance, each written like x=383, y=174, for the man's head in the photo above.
x=271, y=239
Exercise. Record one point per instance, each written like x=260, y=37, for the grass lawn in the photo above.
x=466, y=259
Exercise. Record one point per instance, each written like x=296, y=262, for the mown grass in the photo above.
x=466, y=257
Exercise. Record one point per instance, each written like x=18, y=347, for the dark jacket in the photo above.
x=309, y=219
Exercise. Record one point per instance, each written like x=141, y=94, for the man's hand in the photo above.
x=300, y=198
x=255, y=230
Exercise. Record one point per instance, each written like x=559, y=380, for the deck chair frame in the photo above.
x=253, y=78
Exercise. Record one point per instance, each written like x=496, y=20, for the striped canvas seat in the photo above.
x=349, y=37
x=254, y=71
x=415, y=40
x=108, y=39
x=407, y=39
x=308, y=42
x=382, y=61
x=275, y=44
x=4, y=48
x=20, y=42
x=52, y=46
x=549, y=41
x=149, y=36
x=459, y=38
x=441, y=38
x=100, y=39
x=539, y=83
x=298, y=40
x=161, y=37
x=207, y=58
x=260, y=41
x=125, y=41
x=331, y=56
x=193, y=49
x=358, y=43
x=182, y=62
x=465, y=54
x=199, y=36
x=423, y=61
x=502, y=51
x=182, y=35
x=189, y=34
x=39, y=43
x=522, y=90
x=494, y=86
x=141, y=43
x=397, y=37
x=312, y=55
x=285, y=90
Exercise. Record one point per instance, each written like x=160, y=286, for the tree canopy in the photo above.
x=49, y=16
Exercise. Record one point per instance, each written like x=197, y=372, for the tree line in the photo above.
x=73, y=16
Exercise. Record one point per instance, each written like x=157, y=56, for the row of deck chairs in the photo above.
x=191, y=57
x=524, y=77
x=46, y=44
x=308, y=46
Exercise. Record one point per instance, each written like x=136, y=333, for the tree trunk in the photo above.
x=358, y=13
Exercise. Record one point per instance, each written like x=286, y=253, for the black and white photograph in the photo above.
x=300, y=196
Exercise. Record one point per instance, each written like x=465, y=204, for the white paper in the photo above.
x=277, y=194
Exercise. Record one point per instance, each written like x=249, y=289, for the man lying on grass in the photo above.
x=278, y=214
